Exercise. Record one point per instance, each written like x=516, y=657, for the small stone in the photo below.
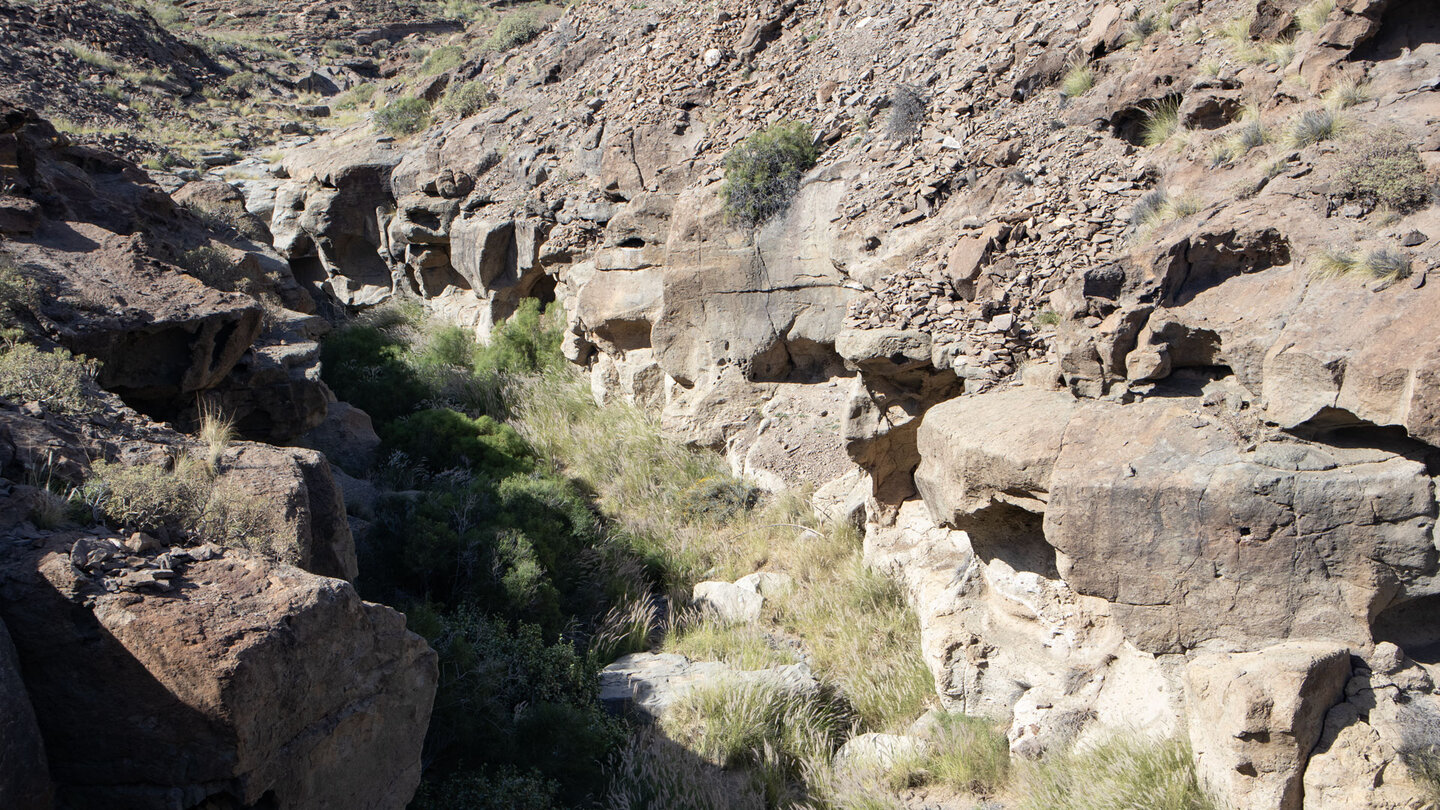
x=1414, y=238
x=140, y=542
x=712, y=57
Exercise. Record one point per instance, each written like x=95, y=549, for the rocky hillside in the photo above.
x=1109, y=325
x=1119, y=312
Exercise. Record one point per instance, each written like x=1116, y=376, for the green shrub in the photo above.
x=19, y=294
x=514, y=30
x=528, y=342
x=442, y=59
x=56, y=379
x=509, y=700
x=1387, y=173
x=150, y=497
x=466, y=99
x=444, y=439
x=1122, y=771
x=762, y=173
x=404, y=116
x=354, y=97
x=488, y=789
x=367, y=368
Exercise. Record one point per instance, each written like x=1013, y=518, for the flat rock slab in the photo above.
x=648, y=684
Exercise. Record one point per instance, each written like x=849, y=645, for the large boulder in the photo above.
x=1232, y=533
x=247, y=682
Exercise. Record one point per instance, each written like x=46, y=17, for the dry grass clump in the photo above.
x=654, y=773
x=216, y=432
x=1347, y=93
x=1079, y=78
x=1312, y=16
x=1314, y=126
x=964, y=753
x=1381, y=264
x=1123, y=771
x=1158, y=207
x=1161, y=122
x=775, y=732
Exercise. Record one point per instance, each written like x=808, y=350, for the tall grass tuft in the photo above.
x=1312, y=16
x=1161, y=122
x=1314, y=126
x=1079, y=78
x=1120, y=772
x=216, y=432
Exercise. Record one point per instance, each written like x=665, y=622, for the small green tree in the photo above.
x=762, y=173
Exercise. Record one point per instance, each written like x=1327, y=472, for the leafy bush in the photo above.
x=442, y=59
x=907, y=112
x=149, y=497
x=367, y=368
x=466, y=99
x=488, y=789
x=242, y=81
x=528, y=342
x=509, y=700
x=1123, y=771
x=56, y=379
x=404, y=116
x=514, y=30
x=763, y=172
x=1388, y=173
x=443, y=439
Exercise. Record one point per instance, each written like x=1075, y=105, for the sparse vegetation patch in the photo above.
x=762, y=173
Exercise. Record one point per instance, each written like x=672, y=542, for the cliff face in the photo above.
x=1138, y=375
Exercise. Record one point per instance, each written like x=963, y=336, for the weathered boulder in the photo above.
x=308, y=506
x=877, y=753
x=347, y=437
x=1252, y=540
x=993, y=448
x=727, y=602
x=250, y=683
x=1254, y=717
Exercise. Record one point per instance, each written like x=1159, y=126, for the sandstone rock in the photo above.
x=257, y=682
x=994, y=448
x=1254, y=718
x=766, y=584
x=1250, y=544
x=346, y=437
x=309, y=508
x=726, y=602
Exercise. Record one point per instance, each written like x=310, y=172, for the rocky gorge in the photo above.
x=1109, y=327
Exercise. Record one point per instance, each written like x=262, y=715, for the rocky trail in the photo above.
x=827, y=403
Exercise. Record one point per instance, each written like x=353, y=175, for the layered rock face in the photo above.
x=1139, y=461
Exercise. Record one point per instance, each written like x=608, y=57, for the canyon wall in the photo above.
x=1080, y=361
